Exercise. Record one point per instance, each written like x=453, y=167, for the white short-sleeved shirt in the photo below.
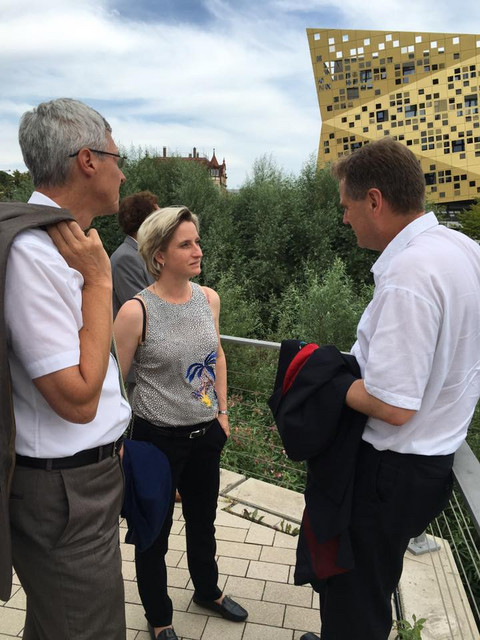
x=43, y=312
x=418, y=341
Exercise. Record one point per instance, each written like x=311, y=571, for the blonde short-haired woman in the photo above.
x=170, y=333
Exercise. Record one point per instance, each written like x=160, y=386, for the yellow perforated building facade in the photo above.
x=420, y=88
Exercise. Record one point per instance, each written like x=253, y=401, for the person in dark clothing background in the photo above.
x=129, y=273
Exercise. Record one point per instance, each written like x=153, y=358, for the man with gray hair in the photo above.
x=67, y=486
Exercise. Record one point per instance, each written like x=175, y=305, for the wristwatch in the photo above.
x=223, y=413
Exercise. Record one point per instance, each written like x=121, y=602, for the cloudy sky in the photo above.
x=234, y=75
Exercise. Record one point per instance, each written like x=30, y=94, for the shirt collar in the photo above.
x=41, y=198
x=402, y=239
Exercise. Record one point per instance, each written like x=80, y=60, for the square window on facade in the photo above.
x=471, y=100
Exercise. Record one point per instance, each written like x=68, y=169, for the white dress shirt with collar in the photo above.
x=43, y=311
x=418, y=341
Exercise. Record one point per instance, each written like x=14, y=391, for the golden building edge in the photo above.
x=420, y=88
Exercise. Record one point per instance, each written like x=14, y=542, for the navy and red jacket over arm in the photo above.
x=308, y=404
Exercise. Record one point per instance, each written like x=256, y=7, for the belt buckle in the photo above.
x=195, y=434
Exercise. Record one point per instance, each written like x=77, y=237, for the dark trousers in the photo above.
x=66, y=551
x=396, y=497
x=195, y=466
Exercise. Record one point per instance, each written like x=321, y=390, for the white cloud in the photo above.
x=241, y=82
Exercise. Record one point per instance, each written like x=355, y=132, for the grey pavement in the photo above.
x=256, y=557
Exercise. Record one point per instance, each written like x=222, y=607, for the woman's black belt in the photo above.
x=80, y=459
x=191, y=431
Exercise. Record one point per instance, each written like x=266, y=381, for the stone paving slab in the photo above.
x=220, y=629
x=302, y=618
x=233, y=534
x=245, y=587
x=285, y=540
x=229, y=479
x=262, y=612
x=190, y=625
x=421, y=596
x=239, y=550
x=276, y=500
x=287, y=594
x=233, y=566
x=12, y=621
x=268, y=571
x=281, y=556
x=264, y=632
x=256, y=564
x=228, y=519
x=259, y=534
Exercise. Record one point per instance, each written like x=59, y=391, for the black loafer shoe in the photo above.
x=229, y=609
x=166, y=634
x=309, y=636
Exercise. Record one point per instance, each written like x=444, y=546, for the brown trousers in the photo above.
x=66, y=551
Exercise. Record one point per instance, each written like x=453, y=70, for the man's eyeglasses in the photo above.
x=120, y=159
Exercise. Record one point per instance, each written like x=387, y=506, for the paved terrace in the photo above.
x=256, y=567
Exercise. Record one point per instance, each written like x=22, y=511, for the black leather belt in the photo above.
x=181, y=432
x=192, y=431
x=80, y=459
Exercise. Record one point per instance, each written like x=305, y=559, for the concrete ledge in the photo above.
x=280, y=502
x=229, y=480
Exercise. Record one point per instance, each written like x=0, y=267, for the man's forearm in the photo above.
x=96, y=334
x=359, y=399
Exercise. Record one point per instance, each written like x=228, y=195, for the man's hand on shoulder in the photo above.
x=83, y=252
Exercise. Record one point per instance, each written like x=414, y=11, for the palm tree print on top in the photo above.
x=205, y=372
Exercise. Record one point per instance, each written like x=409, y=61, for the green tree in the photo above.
x=15, y=185
x=470, y=221
x=324, y=309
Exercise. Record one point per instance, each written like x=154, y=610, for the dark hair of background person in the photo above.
x=134, y=209
x=386, y=165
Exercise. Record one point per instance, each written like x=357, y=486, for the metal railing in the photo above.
x=256, y=451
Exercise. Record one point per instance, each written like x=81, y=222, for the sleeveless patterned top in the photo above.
x=175, y=366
